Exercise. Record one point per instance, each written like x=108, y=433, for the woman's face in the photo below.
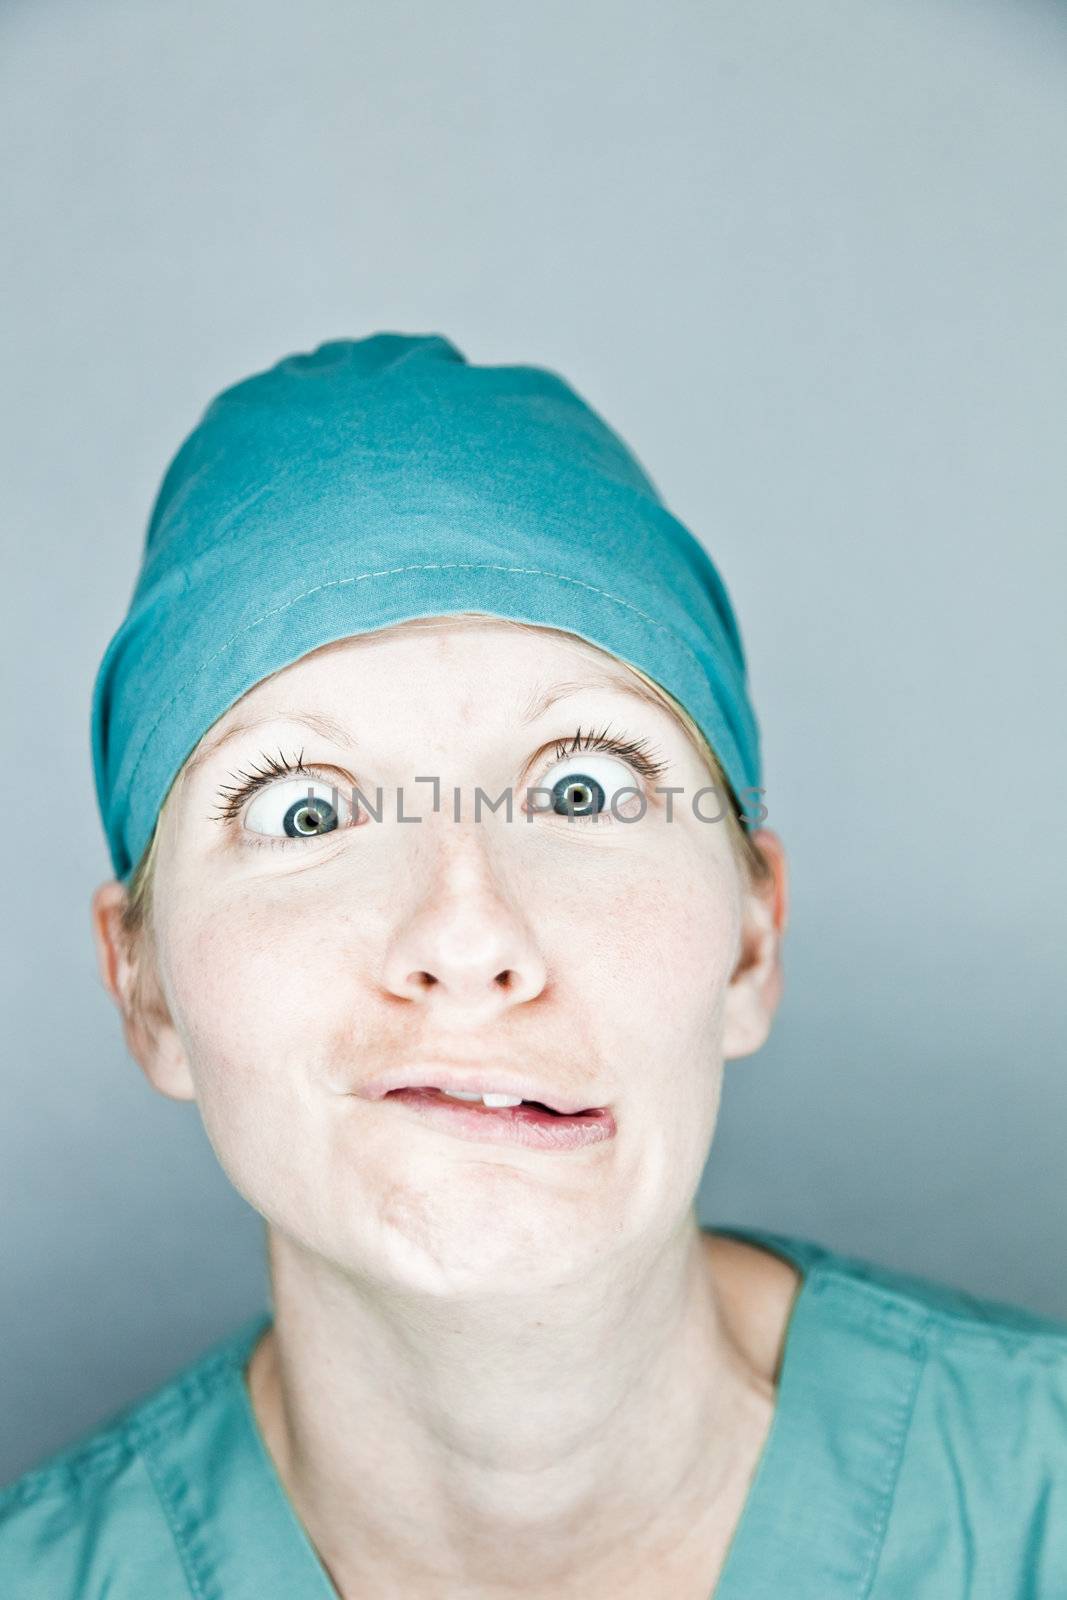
x=593, y=958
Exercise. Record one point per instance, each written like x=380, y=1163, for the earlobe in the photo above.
x=106, y=911
x=159, y=1053
x=755, y=987
x=151, y=1037
x=752, y=995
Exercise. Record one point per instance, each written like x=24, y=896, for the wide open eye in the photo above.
x=585, y=784
x=298, y=808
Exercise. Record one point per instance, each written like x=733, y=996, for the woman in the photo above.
x=430, y=782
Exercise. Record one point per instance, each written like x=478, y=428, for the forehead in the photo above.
x=450, y=637
x=525, y=669
x=518, y=649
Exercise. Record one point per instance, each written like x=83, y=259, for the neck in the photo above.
x=573, y=1441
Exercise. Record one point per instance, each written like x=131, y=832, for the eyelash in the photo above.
x=635, y=752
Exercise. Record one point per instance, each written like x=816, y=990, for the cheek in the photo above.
x=662, y=943
x=251, y=1000
x=234, y=986
x=649, y=981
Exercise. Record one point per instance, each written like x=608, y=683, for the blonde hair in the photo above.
x=746, y=851
x=137, y=911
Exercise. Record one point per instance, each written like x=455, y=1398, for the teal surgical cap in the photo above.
x=377, y=480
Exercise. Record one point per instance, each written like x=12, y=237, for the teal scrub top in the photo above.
x=918, y=1451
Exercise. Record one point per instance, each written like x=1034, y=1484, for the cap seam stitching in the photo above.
x=431, y=566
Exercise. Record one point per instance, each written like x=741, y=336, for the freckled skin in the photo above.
x=639, y=963
x=287, y=967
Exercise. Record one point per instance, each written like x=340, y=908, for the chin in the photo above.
x=462, y=1237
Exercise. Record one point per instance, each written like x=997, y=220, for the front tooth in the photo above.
x=486, y=1099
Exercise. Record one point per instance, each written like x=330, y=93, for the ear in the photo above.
x=755, y=988
x=128, y=972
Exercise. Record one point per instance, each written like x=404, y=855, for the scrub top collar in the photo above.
x=813, y=1522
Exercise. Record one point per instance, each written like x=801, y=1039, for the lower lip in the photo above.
x=522, y=1125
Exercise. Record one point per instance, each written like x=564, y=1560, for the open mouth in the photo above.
x=524, y=1111
x=530, y=1122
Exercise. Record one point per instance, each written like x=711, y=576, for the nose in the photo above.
x=466, y=951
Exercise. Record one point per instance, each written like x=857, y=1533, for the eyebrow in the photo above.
x=539, y=703
x=326, y=726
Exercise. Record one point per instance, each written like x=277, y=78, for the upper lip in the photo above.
x=473, y=1080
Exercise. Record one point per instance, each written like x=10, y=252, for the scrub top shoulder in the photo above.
x=918, y=1451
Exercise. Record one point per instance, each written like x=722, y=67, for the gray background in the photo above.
x=811, y=260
